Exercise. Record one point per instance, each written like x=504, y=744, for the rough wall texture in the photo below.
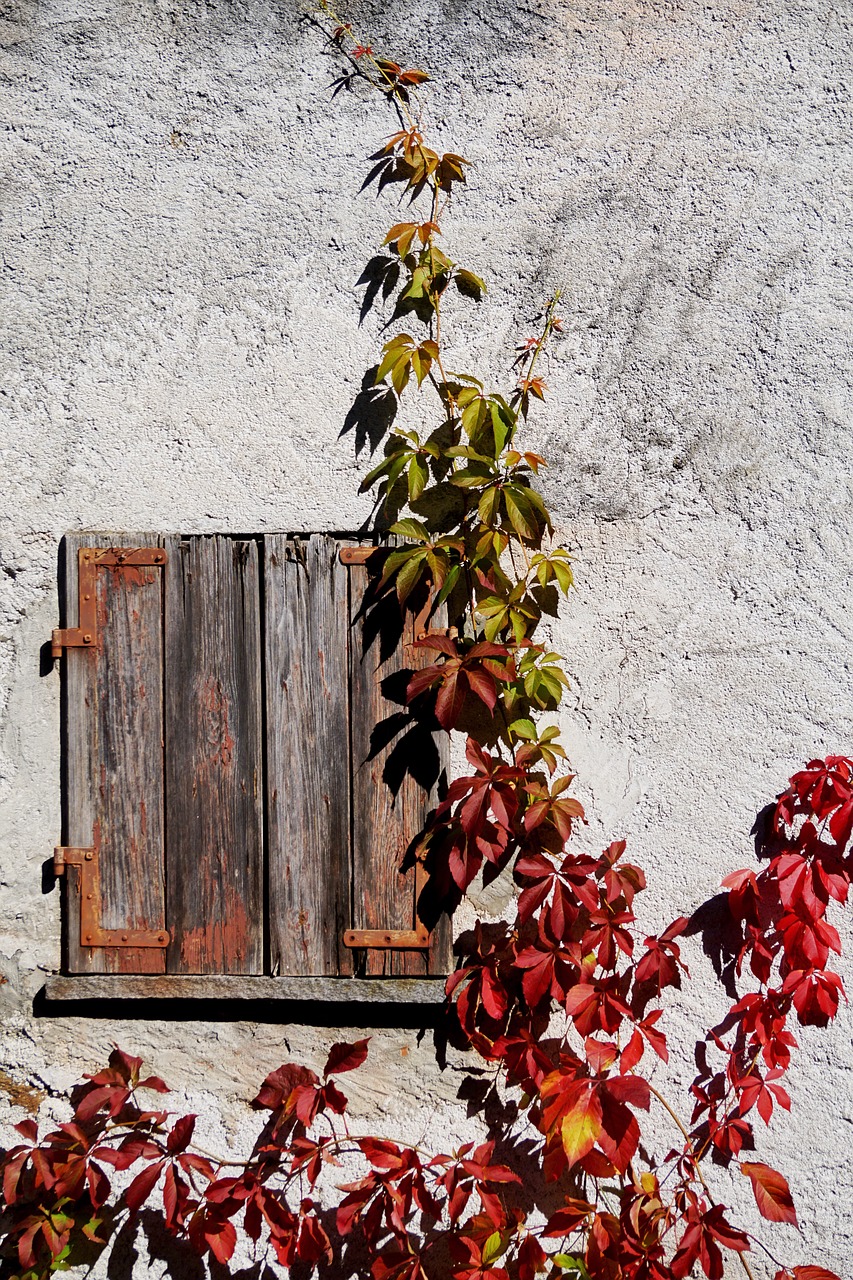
x=182, y=234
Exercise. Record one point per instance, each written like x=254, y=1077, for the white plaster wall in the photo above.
x=182, y=232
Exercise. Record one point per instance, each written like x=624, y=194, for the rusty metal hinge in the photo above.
x=359, y=555
x=390, y=939
x=91, y=932
x=89, y=559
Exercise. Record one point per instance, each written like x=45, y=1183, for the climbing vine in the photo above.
x=564, y=999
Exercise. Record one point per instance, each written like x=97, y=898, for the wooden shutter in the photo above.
x=113, y=760
x=396, y=764
x=214, y=712
x=214, y=756
x=343, y=802
x=308, y=772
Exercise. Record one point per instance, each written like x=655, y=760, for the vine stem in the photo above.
x=701, y=1177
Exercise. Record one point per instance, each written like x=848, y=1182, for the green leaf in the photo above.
x=469, y=285
x=391, y=354
x=493, y=1247
x=469, y=478
x=524, y=728
x=564, y=576
x=374, y=474
x=410, y=574
x=393, y=562
x=466, y=377
x=400, y=372
x=418, y=476
x=519, y=625
x=416, y=530
x=419, y=368
x=416, y=285
x=500, y=427
x=439, y=262
x=396, y=469
x=569, y=1262
x=519, y=514
x=488, y=506
x=473, y=415
x=449, y=583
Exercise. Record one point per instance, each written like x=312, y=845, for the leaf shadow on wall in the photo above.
x=712, y=921
x=371, y=414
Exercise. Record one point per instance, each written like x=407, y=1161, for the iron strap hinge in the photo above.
x=392, y=939
x=89, y=559
x=92, y=934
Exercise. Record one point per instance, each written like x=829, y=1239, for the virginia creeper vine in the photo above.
x=562, y=998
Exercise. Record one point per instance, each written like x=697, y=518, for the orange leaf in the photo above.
x=772, y=1193
x=582, y=1123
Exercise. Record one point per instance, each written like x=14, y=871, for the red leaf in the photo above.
x=155, y=1083
x=531, y=1258
x=181, y=1135
x=333, y=1098
x=381, y=1153
x=279, y=1085
x=772, y=1193
x=220, y=1238
x=346, y=1057
x=313, y=1243
x=27, y=1129
x=12, y=1166
x=125, y=1064
x=565, y=1220
x=814, y=1273
x=483, y=685
x=631, y=1089
x=128, y=1152
x=633, y=1052
x=142, y=1186
x=451, y=698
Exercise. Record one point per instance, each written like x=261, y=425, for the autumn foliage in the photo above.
x=569, y=1006
x=566, y=1000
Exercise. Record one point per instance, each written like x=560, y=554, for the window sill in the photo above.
x=122, y=986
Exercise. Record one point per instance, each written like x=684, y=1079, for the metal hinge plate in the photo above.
x=91, y=932
x=392, y=939
x=89, y=560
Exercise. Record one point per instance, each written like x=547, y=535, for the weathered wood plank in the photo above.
x=430, y=751
x=214, y=815
x=396, y=762
x=308, y=776
x=113, y=730
x=232, y=987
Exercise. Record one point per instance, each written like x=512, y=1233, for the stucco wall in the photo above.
x=182, y=232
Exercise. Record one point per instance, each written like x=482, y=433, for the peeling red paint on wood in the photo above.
x=221, y=944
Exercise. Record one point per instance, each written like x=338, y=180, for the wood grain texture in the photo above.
x=308, y=776
x=113, y=740
x=214, y=813
x=396, y=761
x=232, y=987
x=430, y=747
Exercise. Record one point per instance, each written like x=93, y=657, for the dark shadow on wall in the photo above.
x=329, y=1014
x=713, y=922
